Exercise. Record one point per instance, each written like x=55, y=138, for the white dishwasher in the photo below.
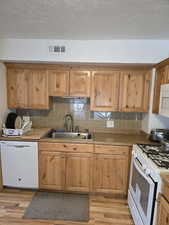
x=19, y=162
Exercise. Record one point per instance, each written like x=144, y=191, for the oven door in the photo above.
x=142, y=189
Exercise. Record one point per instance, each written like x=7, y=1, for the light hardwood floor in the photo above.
x=103, y=210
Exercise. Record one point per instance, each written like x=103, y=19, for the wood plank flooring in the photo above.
x=103, y=210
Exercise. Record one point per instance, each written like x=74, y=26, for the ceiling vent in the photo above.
x=57, y=49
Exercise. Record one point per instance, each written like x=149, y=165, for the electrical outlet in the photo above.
x=110, y=123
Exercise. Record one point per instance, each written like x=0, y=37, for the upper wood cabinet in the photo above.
x=27, y=88
x=79, y=84
x=17, y=88
x=73, y=83
x=134, y=91
x=58, y=83
x=38, y=97
x=162, y=77
x=104, y=91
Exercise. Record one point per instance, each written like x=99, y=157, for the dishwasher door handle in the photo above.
x=19, y=146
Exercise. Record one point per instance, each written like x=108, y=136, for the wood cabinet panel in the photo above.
x=27, y=88
x=134, y=91
x=162, y=77
x=58, y=83
x=163, y=212
x=109, y=149
x=165, y=191
x=65, y=147
x=52, y=170
x=111, y=173
x=105, y=91
x=17, y=88
x=78, y=172
x=79, y=83
x=103, y=171
x=38, y=89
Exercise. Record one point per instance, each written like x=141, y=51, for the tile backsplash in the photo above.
x=83, y=117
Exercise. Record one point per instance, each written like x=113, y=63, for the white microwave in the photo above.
x=164, y=100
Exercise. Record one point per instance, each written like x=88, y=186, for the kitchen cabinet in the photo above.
x=58, y=83
x=104, y=91
x=27, y=88
x=163, y=211
x=162, y=77
x=65, y=166
x=52, y=170
x=38, y=97
x=111, y=169
x=78, y=172
x=84, y=168
x=17, y=88
x=134, y=91
x=73, y=83
x=79, y=83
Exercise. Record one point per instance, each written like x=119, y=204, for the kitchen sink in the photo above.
x=69, y=135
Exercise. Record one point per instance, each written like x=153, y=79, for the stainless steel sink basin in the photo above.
x=69, y=135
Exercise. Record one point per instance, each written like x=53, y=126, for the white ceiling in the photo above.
x=84, y=19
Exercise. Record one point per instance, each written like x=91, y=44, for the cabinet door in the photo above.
x=111, y=173
x=163, y=212
x=79, y=83
x=162, y=77
x=17, y=88
x=38, y=89
x=52, y=170
x=58, y=83
x=78, y=172
x=105, y=91
x=134, y=91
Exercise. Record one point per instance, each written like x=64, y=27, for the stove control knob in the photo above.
x=147, y=171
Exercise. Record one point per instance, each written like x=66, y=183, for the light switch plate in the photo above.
x=110, y=123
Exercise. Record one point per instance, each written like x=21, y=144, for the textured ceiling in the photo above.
x=84, y=19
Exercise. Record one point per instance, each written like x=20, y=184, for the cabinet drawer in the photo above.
x=113, y=150
x=65, y=147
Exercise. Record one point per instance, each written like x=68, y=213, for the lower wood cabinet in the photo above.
x=163, y=212
x=65, y=170
x=52, y=170
x=78, y=172
x=111, y=169
x=104, y=169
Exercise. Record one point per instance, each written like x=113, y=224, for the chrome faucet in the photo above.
x=68, y=124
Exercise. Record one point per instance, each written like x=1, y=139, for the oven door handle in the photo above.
x=141, y=171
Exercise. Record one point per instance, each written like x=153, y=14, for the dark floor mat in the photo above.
x=58, y=206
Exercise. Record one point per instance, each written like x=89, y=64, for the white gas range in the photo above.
x=145, y=182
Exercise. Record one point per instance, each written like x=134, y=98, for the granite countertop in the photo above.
x=121, y=139
x=33, y=134
x=98, y=138
x=108, y=139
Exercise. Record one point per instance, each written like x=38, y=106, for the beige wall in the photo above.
x=3, y=95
